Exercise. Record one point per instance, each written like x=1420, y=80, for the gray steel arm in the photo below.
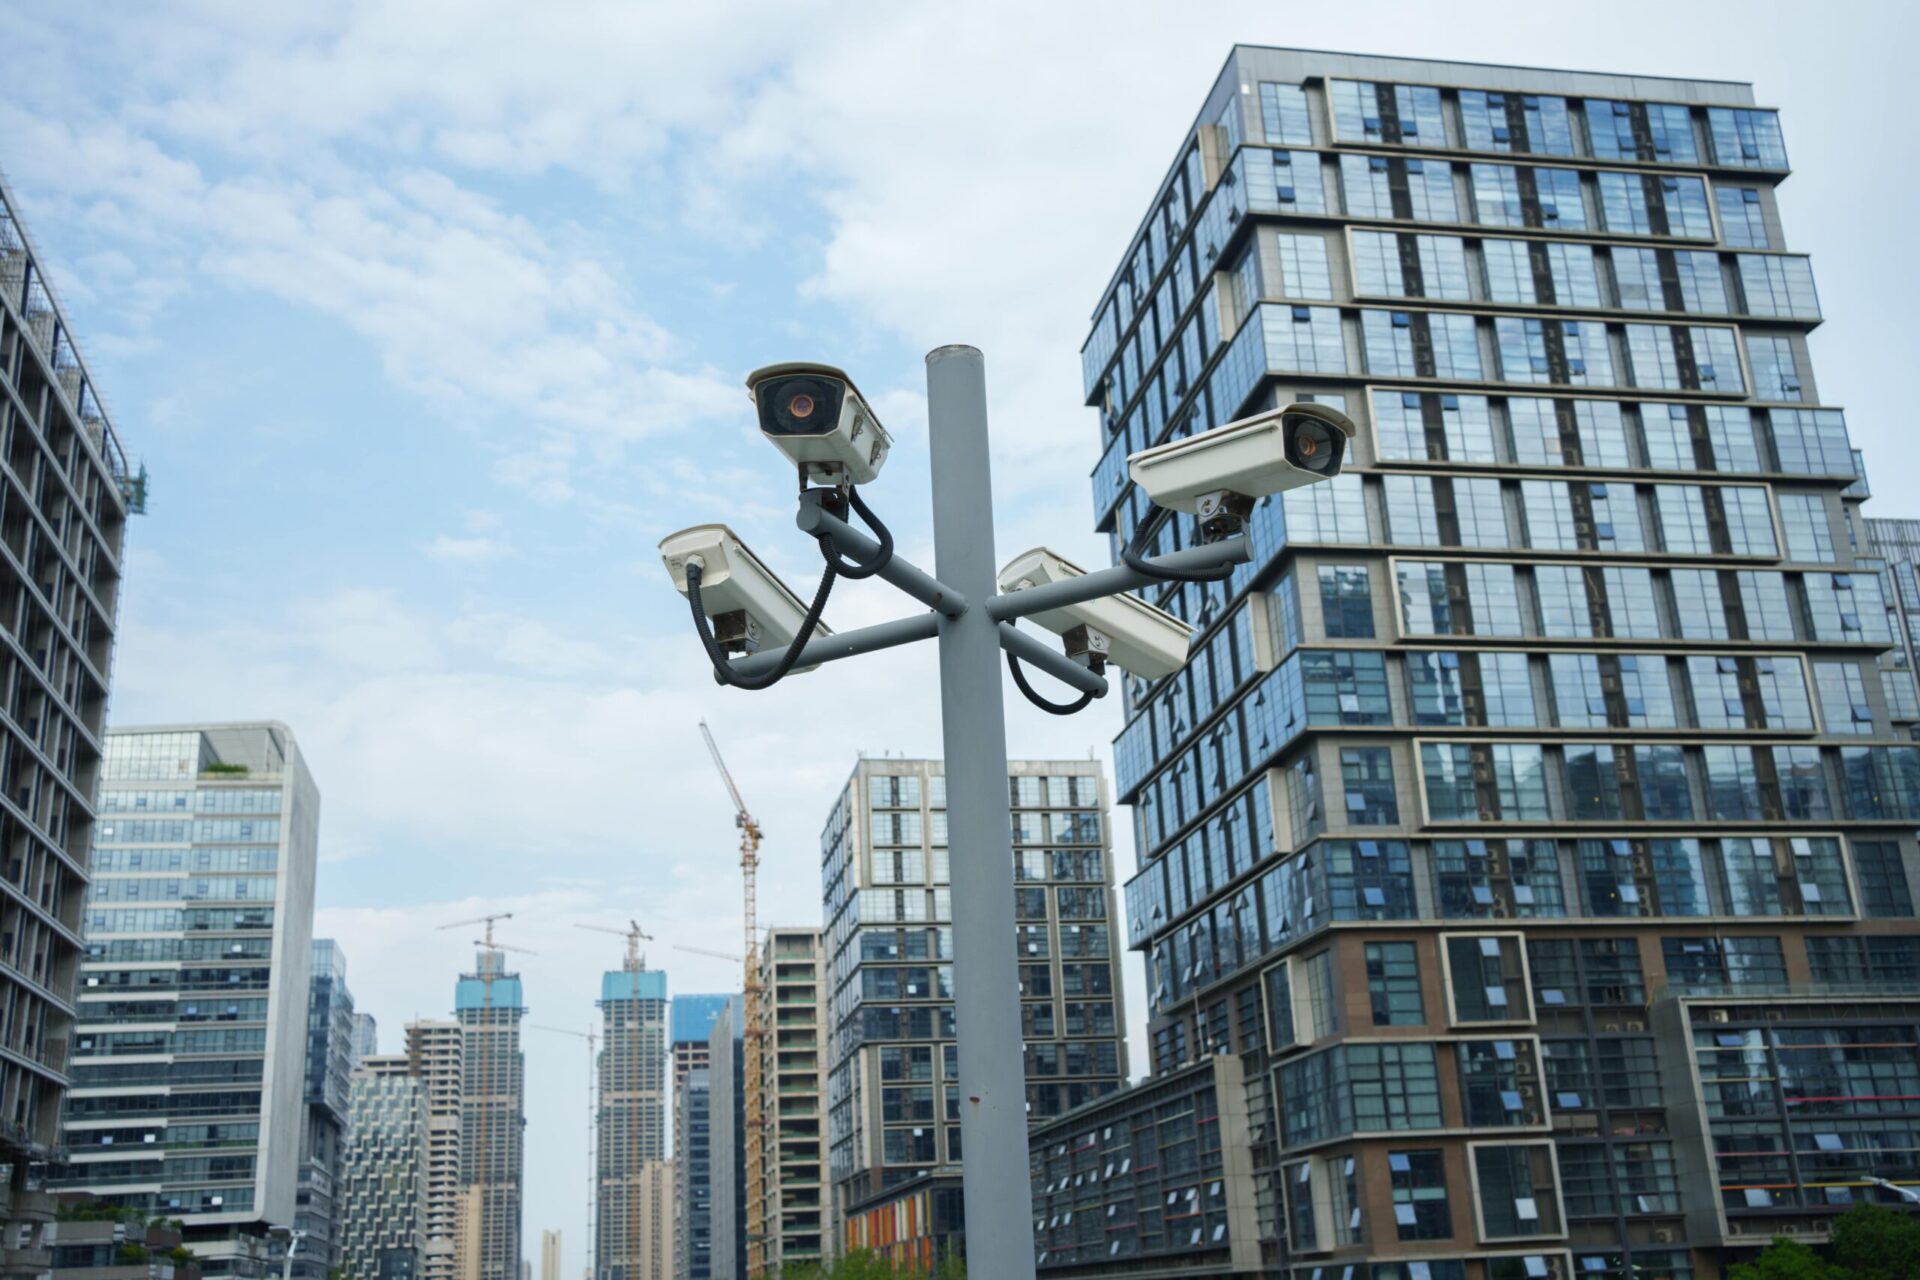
x=1107, y=582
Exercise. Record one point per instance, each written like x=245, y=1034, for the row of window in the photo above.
x=1602, y=878
x=1024, y=791
x=1365, y=112
x=1446, y=268
x=1338, y=880
x=1514, y=349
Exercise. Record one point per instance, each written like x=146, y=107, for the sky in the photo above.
x=429, y=319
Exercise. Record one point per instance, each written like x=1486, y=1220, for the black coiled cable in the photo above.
x=1133, y=555
x=881, y=534
x=723, y=667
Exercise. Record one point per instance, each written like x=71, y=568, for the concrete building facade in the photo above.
x=893, y=1095
x=550, y=1256
x=189, y=1096
x=1534, y=821
x=785, y=1190
x=64, y=501
x=383, y=1225
x=436, y=1054
x=489, y=1005
x=631, y=1133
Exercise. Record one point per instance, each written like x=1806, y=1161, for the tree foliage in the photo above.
x=863, y=1265
x=1867, y=1243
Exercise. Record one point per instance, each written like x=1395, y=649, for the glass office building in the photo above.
x=1535, y=820
x=189, y=1096
x=330, y=1064
x=631, y=1240
x=893, y=1093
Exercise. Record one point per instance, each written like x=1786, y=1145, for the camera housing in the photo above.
x=1270, y=452
x=1149, y=642
x=748, y=605
x=816, y=416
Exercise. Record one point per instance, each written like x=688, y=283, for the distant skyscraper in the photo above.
x=488, y=1003
x=550, y=1256
x=323, y=1145
x=726, y=1152
x=366, y=1037
x=690, y=1025
x=67, y=519
x=195, y=992
x=437, y=1054
x=783, y=1156
x=893, y=1087
x=632, y=1125
x=383, y=1223
x=1533, y=822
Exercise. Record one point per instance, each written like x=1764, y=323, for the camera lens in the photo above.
x=1312, y=445
x=801, y=406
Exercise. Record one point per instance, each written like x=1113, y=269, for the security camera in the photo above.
x=1123, y=629
x=749, y=607
x=817, y=417
x=1267, y=453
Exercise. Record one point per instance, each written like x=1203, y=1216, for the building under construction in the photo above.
x=632, y=1132
x=488, y=1004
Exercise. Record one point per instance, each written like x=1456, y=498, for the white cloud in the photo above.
x=478, y=549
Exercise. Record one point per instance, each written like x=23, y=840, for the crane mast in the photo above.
x=756, y=1122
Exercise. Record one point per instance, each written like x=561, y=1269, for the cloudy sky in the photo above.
x=429, y=320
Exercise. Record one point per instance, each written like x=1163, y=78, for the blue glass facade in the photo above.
x=1550, y=737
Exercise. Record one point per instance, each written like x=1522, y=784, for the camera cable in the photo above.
x=1133, y=555
x=1051, y=708
x=723, y=667
x=881, y=557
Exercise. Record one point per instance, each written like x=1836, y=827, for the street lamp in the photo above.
x=293, y=1236
x=756, y=631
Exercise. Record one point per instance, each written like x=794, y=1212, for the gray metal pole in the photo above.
x=986, y=984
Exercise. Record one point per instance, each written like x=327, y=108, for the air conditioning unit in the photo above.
x=1610, y=1026
x=1716, y=1015
x=1523, y=1067
x=1527, y=1093
x=1665, y=1235
x=1500, y=909
x=1636, y=1025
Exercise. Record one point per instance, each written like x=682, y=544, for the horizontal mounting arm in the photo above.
x=849, y=644
x=1035, y=653
x=1108, y=582
x=819, y=522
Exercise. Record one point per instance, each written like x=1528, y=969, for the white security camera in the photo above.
x=818, y=418
x=750, y=608
x=1123, y=629
x=1267, y=453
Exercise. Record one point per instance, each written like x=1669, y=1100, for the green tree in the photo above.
x=863, y=1265
x=1873, y=1243
x=1867, y=1243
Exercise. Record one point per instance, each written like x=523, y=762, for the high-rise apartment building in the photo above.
x=550, y=1256
x=323, y=1147
x=366, y=1037
x=690, y=1022
x=63, y=517
x=189, y=1097
x=893, y=1094
x=489, y=1005
x=726, y=1150
x=383, y=1222
x=631, y=1133
x=783, y=1129
x=1533, y=822
x=436, y=1052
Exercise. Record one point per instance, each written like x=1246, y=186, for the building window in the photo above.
x=1346, y=601
x=1283, y=113
x=1882, y=872
x=1393, y=984
x=1366, y=774
x=1488, y=974
x=1497, y=1083
x=1516, y=1190
x=1420, y=1195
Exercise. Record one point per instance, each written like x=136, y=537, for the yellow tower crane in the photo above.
x=755, y=1021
